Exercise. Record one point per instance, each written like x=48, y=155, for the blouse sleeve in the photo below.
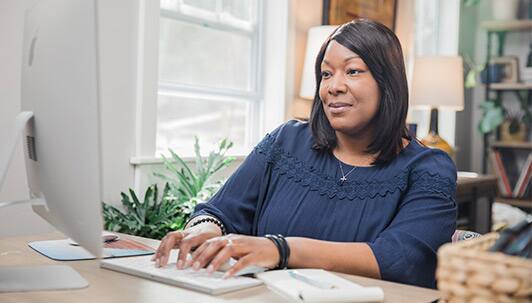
x=236, y=201
x=426, y=219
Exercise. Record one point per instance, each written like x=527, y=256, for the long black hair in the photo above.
x=380, y=49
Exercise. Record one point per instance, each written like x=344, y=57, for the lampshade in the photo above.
x=438, y=82
x=316, y=36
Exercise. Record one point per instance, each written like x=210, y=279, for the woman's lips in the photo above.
x=339, y=107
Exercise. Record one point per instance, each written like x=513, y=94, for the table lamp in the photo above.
x=438, y=83
x=316, y=36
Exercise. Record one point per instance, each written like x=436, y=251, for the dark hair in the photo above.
x=381, y=51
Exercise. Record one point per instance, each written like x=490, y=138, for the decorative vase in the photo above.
x=513, y=131
x=505, y=9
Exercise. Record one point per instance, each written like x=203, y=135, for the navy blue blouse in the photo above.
x=404, y=210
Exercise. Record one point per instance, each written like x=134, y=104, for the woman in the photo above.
x=348, y=192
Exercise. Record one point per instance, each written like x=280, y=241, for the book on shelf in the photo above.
x=524, y=179
x=500, y=172
x=513, y=175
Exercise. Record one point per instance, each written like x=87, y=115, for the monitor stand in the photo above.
x=34, y=277
x=39, y=277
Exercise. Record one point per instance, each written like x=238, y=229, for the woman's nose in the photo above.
x=337, y=85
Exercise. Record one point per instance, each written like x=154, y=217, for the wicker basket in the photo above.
x=468, y=273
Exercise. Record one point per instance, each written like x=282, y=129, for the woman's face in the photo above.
x=349, y=93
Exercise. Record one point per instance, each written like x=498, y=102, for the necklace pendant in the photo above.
x=343, y=179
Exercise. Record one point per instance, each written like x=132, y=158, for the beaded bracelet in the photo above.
x=212, y=220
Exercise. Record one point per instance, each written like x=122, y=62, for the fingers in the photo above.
x=221, y=258
x=241, y=264
x=184, y=248
x=210, y=250
x=167, y=244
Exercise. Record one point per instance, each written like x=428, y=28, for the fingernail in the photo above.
x=180, y=264
x=226, y=276
x=210, y=269
x=158, y=263
x=188, y=263
x=196, y=265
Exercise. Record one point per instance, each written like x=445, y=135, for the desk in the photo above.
x=114, y=287
x=474, y=197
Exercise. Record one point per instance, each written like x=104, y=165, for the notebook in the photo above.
x=318, y=285
x=187, y=278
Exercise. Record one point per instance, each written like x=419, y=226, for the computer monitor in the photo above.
x=60, y=126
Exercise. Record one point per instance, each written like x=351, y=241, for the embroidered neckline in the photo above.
x=307, y=176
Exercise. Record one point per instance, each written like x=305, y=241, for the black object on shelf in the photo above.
x=515, y=240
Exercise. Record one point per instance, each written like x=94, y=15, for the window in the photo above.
x=209, y=74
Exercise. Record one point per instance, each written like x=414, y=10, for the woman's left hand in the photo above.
x=247, y=250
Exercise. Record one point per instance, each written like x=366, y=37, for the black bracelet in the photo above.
x=282, y=247
x=286, y=249
x=212, y=220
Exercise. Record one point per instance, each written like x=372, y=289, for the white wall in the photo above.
x=118, y=25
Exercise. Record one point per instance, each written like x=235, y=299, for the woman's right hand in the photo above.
x=185, y=240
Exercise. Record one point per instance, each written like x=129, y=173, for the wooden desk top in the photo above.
x=110, y=286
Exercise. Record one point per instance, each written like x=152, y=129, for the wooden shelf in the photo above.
x=507, y=25
x=510, y=86
x=524, y=145
x=515, y=202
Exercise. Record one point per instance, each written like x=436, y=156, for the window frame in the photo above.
x=252, y=96
x=269, y=99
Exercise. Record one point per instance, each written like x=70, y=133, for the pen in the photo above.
x=304, y=278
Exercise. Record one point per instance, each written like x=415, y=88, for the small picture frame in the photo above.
x=510, y=68
x=336, y=12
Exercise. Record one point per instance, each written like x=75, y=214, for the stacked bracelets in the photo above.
x=284, y=250
x=212, y=220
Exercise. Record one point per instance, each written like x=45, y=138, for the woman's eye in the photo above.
x=325, y=74
x=354, y=72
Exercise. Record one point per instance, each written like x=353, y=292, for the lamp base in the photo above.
x=433, y=140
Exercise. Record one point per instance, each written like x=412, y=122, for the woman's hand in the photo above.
x=247, y=250
x=185, y=240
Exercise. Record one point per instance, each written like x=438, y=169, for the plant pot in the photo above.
x=513, y=131
x=505, y=9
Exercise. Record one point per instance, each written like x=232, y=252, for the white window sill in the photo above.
x=140, y=161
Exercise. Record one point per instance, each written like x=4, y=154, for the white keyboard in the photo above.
x=199, y=280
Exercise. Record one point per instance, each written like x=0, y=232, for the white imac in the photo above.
x=60, y=128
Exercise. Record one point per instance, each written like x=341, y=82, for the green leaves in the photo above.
x=150, y=218
x=187, y=183
x=492, y=117
x=473, y=70
x=471, y=2
x=184, y=188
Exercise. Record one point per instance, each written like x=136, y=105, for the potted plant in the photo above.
x=155, y=215
x=513, y=129
x=512, y=123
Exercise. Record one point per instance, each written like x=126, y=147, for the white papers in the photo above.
x=365, y=294
x=299, y=291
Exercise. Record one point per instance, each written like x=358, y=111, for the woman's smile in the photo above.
x=337, y=108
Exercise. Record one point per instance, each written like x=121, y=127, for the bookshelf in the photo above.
x=509, y=161
x=502, y=144
x=507, y=25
